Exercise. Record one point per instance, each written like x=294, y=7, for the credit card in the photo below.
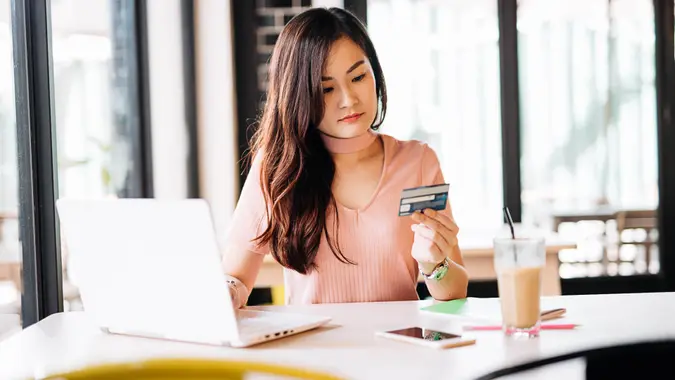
x=417, y=199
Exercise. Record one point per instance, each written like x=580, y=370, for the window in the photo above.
x=441, y=64
x=96, y=94
x=588, y=130
x=10, y=252
x=92, y=82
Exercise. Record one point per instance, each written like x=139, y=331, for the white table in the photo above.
x=348, y=346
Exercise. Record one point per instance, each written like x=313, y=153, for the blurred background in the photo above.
x=548, y=106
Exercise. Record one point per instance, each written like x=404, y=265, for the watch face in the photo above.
x=441, y=272
x=438, y=272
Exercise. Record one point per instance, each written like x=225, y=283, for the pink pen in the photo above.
x=559, y=326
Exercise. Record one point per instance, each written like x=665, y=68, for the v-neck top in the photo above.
x=374, y=236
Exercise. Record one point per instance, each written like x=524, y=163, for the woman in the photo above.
x=322, y=195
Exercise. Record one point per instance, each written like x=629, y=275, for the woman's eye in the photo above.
x=359, y=78
x=327, y=90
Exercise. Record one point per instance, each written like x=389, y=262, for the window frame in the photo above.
x=42, y=293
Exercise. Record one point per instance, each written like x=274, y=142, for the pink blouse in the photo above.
x=374, y=237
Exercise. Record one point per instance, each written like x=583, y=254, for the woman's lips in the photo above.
x=351, y=118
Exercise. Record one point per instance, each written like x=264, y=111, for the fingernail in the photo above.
x=430, y=212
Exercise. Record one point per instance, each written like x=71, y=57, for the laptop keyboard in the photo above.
x=267, y=323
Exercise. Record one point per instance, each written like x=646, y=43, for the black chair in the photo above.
x=640, y=360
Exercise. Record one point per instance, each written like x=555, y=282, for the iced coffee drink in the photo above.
x=519, y=266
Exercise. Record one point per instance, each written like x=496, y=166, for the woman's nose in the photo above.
x=348, y=99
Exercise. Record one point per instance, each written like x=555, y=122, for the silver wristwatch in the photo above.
x=438, y=272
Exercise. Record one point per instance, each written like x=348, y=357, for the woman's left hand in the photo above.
x=435, y=238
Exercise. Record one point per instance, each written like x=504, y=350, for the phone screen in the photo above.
x=426, y=334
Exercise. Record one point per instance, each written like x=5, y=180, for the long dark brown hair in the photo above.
x=297, y=171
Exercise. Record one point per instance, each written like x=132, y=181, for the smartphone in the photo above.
x=428, y=337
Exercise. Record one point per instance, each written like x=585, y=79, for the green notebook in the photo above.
x=473, y=308
x=449, y=307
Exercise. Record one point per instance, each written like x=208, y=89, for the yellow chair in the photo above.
x=278, y=295
x=198, y=369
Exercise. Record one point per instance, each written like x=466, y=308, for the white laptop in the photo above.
x=148, y=267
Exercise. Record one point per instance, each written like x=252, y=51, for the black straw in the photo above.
x=509, y=220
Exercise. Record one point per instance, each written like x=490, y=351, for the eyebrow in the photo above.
x=352, y=68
